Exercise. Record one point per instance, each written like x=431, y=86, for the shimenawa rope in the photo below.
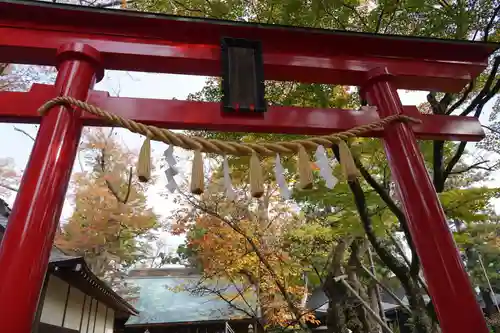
x=255, y=150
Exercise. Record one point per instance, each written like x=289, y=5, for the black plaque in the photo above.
x=242, y=76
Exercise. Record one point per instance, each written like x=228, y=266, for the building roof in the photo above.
x=319, y=301
x=75, y=271
x=4, y=214
x=495, y=299
x=172, y=300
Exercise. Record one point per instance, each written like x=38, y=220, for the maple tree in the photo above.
x=111, y=225
x=241, y=242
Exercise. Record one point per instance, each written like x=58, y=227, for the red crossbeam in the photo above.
x=173, y=114
x=31, y=33
x=275, y=38
x=121, y=53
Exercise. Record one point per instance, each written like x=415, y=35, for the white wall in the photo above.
x=69, y=307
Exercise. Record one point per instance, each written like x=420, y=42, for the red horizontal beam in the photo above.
x=20, y=45
x=275, y=38
x=21, y=108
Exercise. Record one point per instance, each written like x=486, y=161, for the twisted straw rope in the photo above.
x=219, y=146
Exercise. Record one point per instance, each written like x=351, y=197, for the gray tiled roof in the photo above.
x=3, y=221
x=4, y=214
x=168, y=299
x=319, y=301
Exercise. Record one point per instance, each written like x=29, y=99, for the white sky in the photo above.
x=161, y=86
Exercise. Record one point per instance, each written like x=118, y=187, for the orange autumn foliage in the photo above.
x=236, y=242
x=110, y=213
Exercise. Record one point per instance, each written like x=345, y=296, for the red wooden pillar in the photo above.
x=25, y=249
x=448, y=283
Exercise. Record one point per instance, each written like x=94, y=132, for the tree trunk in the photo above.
x=490, y=308
x=422, y=321
x=336, y=292
x=488, y=301
x=373, y=295
x=365, y=322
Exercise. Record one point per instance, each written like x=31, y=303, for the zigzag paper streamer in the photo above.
x=279, y=173
x=231, y=195
x=172, y=170
x=325, y=170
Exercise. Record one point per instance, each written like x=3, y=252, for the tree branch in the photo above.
x=415, y=264
x=472, y=166
x=386, y=289
x=379, y=20
x=96, y=4
x=364, y=304
x=431, y=98
x=477, y=105
x=454, y=160
x=398, y=268
x=491, y=129
x=391, y=18
x=486, y=31
x=110, y=186
x=464, y=97
x=438, y=177
x=200, y=289
x=259, y=254
x=405, y=258
x=8, y=187
x=24, y=132
x=256, y=315
x=421, y=317
x=334, y=17
x=480, y=98
x=192, y=10
x=355, y=11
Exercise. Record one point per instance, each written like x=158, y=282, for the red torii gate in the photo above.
x=84, y=42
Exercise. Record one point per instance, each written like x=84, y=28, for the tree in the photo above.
x=478, y=238
x=450, y=165
x=111, y=224
x=241, y=243
x=9, y=178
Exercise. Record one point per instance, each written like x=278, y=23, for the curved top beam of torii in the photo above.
x=31, y=33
